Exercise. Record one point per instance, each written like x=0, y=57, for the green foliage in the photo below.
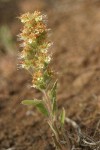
x=38, y=104
x=7, y=39
x=62, y=117
x=53, y=97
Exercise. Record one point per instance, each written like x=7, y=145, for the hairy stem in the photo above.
x=52, y=121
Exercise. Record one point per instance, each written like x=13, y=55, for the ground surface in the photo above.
x=76, y=36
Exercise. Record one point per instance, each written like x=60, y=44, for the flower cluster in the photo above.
x=34, y=55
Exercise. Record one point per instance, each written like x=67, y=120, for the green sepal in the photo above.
x=39, y=105
x=62, y=117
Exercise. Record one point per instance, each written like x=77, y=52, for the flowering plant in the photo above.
x=36, y=58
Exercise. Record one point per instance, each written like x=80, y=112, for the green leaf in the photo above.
x=53, y=91
x=38, y=103
x=62, y=116
x=53, y=97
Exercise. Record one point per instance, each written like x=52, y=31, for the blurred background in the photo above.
x=75, y=32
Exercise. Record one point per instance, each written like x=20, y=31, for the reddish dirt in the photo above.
x=76, y=35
